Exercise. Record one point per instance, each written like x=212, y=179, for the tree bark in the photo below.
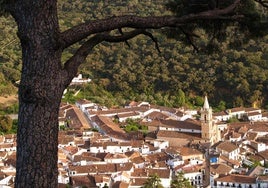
x=40, y=91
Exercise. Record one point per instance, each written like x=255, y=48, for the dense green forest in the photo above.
x=235, y=73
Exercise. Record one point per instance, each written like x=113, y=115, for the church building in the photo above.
x=210, y=132
x=190, y=131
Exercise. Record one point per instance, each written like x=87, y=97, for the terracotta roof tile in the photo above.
x=117, y=111
x=124, y=166
x=156, y=115
x=264, y=154
x=138, y=181
x=120, y=184
x=174, y=134
x=132, y=154
x=230, y=161
x=238, y=109
x=82, y=181
x=222, y=113
x=237, y=179
x=11, y=159
x=146, y=172
x=187, y=124
x=94, y=169
x=160, y=156
x=138, y=160
x=262, y=178
x=186, y=151
x=227, y=146
x=192, y=168
x=78, y=158
x=220, y=169
x=251, y=136
x=115, y=156
x=265, y=114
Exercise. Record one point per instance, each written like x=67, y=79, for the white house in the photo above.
x=234, y=180
x=262, y=181
x=8, y=147
x=121, y=177
x=83, y=104
x=102, y=180
x=264, y=116
x=258, y=146
x=129, y=115
x=229, y=150
x=7, y=182
x=173, y=163
x=80, y=80
x=221, y=116
x=237, y=112
x=165, y=175
x=254, y=116
x=161, y=144
x=63, y=178
x=116, y=158
x=194, y=175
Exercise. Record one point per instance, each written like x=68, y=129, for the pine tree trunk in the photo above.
x=42, y=83
x=37, y=144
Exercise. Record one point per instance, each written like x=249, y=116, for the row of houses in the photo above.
x=250, y=114
x=138, y=110
x=173, y=144
x=122, y=161
x=82, y=164
x=128, y=162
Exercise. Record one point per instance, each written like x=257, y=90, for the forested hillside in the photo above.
x=234, y=73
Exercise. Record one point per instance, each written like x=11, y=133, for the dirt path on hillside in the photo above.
x=9, y=100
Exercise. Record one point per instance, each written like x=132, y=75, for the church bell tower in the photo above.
x=210, y=131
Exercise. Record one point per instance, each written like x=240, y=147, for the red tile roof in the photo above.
x=221, y=169
x=188, y=124
x=174, y=134
x=227, y=146
x=237, y=179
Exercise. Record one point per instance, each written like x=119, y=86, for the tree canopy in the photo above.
x=153, y=181
x=5, y=124
x=180, y=181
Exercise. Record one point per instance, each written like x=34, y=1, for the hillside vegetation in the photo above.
x=233, y=74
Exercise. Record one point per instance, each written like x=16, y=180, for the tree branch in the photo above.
x=189, y=36
x=126, y=36
x=153, y=39
x=121, y=32
x=84, y=30
x=71, y=66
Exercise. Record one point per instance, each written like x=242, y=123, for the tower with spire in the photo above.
x=210, y=132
